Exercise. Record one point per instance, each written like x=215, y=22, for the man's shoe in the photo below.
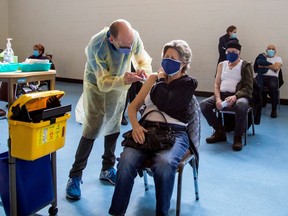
x=108, y=175
x=2, y=112
x=217, y=136
x=124, y=121
x=237, y=145
x=273, y=113
x=73, y=190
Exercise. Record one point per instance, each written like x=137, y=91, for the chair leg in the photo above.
x=253, y=126
x=145, y=180
x=195, y=174
x=179, y=189
x=179, y=183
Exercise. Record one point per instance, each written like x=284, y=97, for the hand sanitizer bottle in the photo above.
x=8, y=52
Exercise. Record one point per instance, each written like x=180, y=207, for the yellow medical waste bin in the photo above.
x=37, y=124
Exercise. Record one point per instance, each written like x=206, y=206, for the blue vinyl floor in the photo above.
x=252, y=182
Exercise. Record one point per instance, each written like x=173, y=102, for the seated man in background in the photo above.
x=234, y=85
x=269, y=72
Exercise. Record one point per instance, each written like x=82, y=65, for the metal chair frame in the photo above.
x=231, y=111
x=188, y=158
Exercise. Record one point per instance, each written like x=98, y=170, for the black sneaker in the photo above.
x=273, y=114
x=2, y=112
x=217, y=136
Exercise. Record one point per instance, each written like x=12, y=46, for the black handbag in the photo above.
x=156, y=139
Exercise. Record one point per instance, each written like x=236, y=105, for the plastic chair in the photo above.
x=228, y=110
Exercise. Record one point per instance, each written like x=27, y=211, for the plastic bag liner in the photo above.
x=34, y=184
x=79, y=110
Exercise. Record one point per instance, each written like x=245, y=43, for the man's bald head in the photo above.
x=122, y=32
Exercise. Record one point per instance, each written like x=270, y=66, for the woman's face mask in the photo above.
x=232, y=56
x=170, y=66
x=36, y=53
x=270, y=53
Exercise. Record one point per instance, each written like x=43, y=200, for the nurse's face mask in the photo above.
x=170, y=66
x=123, y=49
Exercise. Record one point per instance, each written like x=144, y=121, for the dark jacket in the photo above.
x=174, y=98
x=245, y=87
x=261, y=60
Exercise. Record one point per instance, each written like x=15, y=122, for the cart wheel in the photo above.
x=53, y=211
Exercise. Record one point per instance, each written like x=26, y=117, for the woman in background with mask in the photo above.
x=231, y=34
x=233, y=86
x=170, y=92
x=38, y=53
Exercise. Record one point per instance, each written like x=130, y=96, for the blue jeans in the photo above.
x=164, y=169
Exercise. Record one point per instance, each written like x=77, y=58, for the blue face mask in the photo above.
x=35, y=53
x=231, y=56
x=124, y=50
x=170, y=66
x=270, y=53
x=233, y=36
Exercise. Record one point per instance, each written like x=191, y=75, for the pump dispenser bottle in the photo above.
x=8, y=52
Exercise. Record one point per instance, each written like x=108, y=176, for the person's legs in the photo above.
x=83, y=151
x=109, y=151
x=130, y=160
x=93, y=109
x=208, y=107
x=241, y=107
x=124, y=120
x=108, y=173
x=164, y=168
x=271, y=83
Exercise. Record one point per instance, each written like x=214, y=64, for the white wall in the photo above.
x=4, y=23
x=65, y=27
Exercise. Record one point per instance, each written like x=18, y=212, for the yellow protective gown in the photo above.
x=104, y=90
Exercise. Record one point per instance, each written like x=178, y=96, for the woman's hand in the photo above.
x=138, y=134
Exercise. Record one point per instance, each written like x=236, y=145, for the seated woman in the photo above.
x=234, y=86
x=169, y=91
x=38, y=53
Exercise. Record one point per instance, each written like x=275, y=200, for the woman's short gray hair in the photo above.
x=183, y=49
